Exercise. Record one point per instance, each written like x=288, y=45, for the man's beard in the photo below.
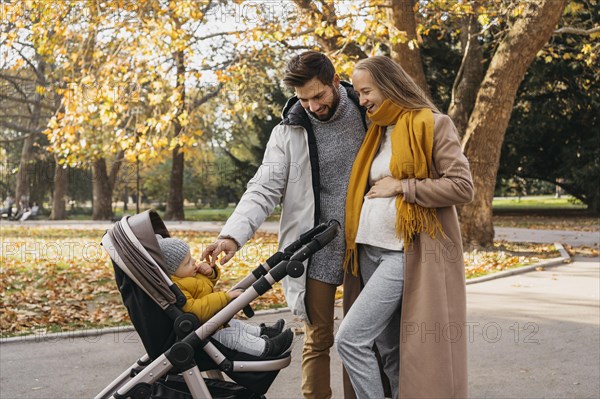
x=334, y=104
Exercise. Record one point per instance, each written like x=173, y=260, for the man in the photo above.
x=306, y=168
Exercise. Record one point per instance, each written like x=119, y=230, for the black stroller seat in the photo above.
x=182, y=359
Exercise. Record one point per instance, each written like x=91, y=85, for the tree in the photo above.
x=119, y=102
x=24, y=82
x=488, y=122
x=470, y=73
x=550, y=136
x=406, y=51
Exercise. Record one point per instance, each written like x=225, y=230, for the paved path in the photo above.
x=502, y=233
x=575, y=238
x=535, y=335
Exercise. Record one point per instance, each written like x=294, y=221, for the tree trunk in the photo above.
x=102, y=192
x=25, y=168
x=61, y=182
x=103, y=184
x=594, y=204
x=403, y=16
x=469, y=76
x=22, y=189
x=485, y=132
x=174, y=209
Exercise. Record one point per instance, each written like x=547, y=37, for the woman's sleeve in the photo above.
x=454, y=184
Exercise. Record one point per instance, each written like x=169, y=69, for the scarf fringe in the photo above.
x=351, y=261
x=412, y=219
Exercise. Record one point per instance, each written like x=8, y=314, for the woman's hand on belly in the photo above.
x=386, y=187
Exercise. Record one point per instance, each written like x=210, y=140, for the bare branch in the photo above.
x=14, y=140
x=577, y=31
x=28, y=61
x=298, y=47
x=22, y=93
x=210, y=36
x=24, y=101
x=18, y=128
x=8, y=77
x=199, y=101
x=8, y=116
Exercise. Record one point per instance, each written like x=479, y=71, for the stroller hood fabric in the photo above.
x=134, y=241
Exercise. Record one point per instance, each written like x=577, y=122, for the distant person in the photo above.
x=30, y=212
x=403, y=238
x=196, y=280
x=8, y=206
x=23, y=207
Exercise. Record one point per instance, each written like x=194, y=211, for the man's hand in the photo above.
x=225, y=245
x=386, y=187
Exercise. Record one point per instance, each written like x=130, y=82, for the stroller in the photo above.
x=180, y=351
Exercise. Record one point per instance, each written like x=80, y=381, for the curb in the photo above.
x=561, y=260
x=53, y=337
x=96, y=332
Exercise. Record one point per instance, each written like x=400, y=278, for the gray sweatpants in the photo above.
x=374, y=318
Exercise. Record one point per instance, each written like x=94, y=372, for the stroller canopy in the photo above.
x=132, y=243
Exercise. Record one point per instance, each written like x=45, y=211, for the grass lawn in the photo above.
x=544, y=212
x=536, y=212
x=538, y=202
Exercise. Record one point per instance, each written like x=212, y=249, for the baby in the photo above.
x=196, y=280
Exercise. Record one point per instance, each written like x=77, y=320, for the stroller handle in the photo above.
x=292, y=248
x=294, y=266
x=323, y=233
x=319, y=241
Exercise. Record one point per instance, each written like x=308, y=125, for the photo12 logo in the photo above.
x=491, y=332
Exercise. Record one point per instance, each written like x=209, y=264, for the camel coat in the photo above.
x=433, y=334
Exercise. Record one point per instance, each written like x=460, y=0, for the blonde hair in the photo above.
x=395, y=83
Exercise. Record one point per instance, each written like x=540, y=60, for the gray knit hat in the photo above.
x=174, y=251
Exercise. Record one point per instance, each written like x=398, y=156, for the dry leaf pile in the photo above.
x=504, y=256
x=56, y=280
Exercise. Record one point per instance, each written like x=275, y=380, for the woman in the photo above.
x=403, y=237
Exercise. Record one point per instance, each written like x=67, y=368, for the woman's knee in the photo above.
x=341, y=346
x=344, y=343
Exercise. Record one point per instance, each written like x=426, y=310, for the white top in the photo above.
x=377, y=226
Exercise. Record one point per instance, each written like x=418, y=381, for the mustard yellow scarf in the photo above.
x=412, y=147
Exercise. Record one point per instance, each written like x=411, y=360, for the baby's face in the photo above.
x=187, y=268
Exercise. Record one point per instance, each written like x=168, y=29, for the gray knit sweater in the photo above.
x=338, y=140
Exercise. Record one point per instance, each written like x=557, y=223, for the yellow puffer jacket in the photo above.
x=201, y=300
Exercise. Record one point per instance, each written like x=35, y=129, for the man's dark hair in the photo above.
x=306, y=66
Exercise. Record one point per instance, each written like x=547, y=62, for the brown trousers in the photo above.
x=318, y=339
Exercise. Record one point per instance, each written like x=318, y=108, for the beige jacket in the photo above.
x=433, y=334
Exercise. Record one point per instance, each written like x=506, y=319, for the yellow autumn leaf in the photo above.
x=483, y=19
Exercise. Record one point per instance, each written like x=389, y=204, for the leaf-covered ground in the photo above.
x=61, y=280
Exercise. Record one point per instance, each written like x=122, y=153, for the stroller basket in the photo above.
x=180, y=351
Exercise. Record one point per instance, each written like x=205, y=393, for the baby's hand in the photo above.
x=204, y=268
x=235, y=293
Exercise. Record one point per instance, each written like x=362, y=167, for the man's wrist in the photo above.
x=237, y=244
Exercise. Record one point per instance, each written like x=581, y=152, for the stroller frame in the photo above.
x=137, y=381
